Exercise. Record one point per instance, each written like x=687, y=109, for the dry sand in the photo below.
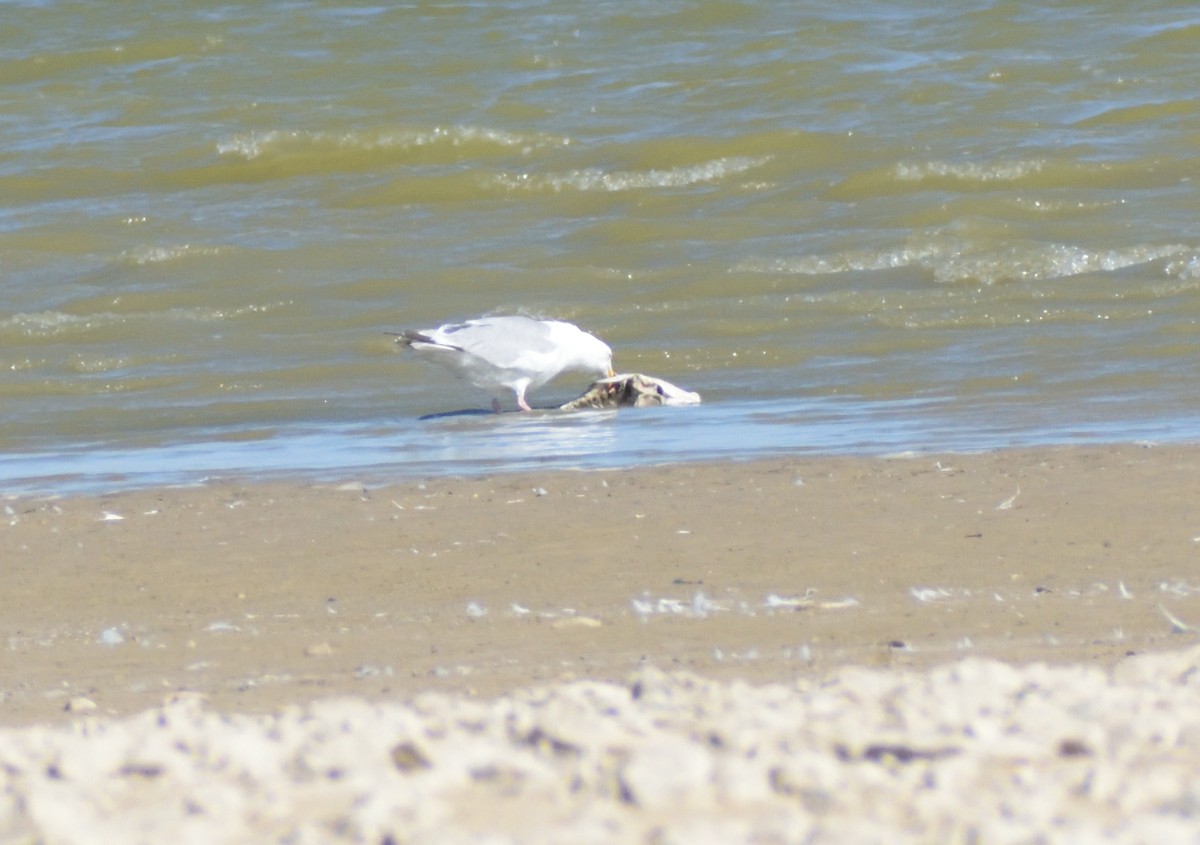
x=788, y=650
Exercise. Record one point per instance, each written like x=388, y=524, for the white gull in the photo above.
x=510, y=353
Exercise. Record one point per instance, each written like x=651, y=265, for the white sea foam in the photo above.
x=596, y=179
x=50, y=323
x=1186, y=268
x=251, y=145
x=969, y=171
x=856, y=260
x=41, y=323
x=951, y=260
x=1046, y=261
x=158, y=254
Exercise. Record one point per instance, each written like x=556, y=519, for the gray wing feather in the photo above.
x=498, y=340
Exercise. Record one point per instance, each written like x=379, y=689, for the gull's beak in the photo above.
x=611, y=371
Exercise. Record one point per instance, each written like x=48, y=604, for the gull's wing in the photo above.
x=500, y=341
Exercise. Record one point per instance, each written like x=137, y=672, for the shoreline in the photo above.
x=472, y=442
x=257, y=595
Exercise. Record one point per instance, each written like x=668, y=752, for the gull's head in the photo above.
x=593, y=355
x=601, y=363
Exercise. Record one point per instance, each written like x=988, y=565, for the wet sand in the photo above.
x=245, y=598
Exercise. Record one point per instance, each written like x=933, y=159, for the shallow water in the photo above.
x=874, y=227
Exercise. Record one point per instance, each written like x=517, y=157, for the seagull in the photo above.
x=513, y=353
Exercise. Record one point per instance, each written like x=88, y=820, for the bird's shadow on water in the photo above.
x=480, y=412
x=465, y=412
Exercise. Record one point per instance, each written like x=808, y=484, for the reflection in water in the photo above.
x=520, y=439
x=469, y=444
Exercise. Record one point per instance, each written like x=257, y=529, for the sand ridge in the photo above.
x=974, y=751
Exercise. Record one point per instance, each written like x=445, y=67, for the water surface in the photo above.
x=870, y=227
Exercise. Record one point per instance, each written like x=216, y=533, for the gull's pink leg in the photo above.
x=521, y=403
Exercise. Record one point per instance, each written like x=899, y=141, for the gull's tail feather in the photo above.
x=408, y=337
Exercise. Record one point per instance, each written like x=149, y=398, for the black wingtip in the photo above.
x=407, y=337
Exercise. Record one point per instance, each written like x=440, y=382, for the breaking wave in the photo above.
x=958, y=262
x=1004, y=171
x=52, y=323
x=596, y=179
x=160, y=254
x=253, y=145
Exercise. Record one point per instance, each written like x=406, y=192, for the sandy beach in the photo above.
x=873, y=627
